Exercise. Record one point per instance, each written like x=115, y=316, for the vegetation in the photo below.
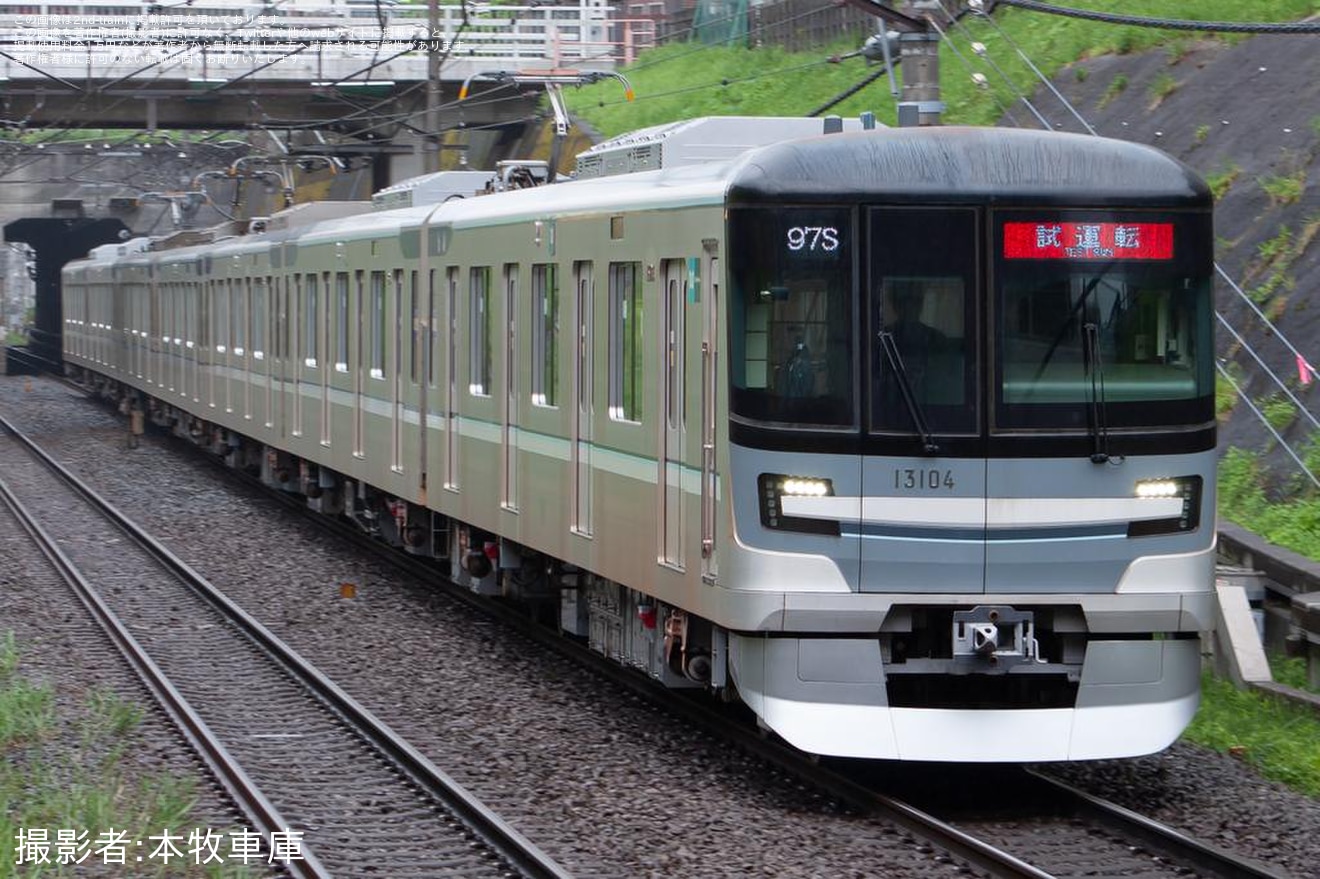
x=1278, y=410
x=1117, y=86
x=682, y=80
x=78, y=776
x=1221, y=180
x=1284, y=189
x=1163, y=86
x=1288, y=517
x=1276, y=256
x=1291, y=672
x=1281, y=740
x=1225, y=395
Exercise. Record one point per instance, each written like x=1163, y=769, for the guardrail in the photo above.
x=1286, y=586
x=325, y=44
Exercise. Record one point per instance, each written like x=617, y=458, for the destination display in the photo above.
x=1082, y=241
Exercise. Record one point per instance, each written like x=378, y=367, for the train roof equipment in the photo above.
x=699, y=141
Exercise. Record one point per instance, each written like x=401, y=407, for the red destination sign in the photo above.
x=1088, y=240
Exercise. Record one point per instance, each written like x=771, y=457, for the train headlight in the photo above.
x=1186, y=489
x=1158, y=488
x=800, y=487
x=772, y=488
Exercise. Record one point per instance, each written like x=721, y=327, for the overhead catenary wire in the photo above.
x=1003, y=108
x=1278, y=381
x=983, y=53
x=1179, y=24
x=1265, y=421
x=980, y=10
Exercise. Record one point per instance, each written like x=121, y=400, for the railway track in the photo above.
x=1047, y=828
x=1035, y=830
x=301, y=758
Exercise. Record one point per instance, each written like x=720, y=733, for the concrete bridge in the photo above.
x=362, y=68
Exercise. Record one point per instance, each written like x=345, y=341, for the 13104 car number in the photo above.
x=913, y=478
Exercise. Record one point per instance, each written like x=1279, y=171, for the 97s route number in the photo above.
x=813, y=239
x=933, y=479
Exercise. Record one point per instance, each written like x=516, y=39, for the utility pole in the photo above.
x=431, y=140
x=919, y=51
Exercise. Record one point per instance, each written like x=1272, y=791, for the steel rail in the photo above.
x=236, y=782
x=503, y=838
x=1187, y=850
x=958, y=844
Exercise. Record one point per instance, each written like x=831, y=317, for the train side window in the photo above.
x=192, y=330
x=341, y=322
x=414, y=297
x=258, y=316
x=545, y=335
x=626, y=349
x=479, y=327
x=220, y=299
x=237, y=324
x=377, y=361
x=434, y=328
x=311, y=314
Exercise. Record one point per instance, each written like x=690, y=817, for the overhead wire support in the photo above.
x=1265, y=421
x=968, y=67
x=1278, y=381
x=978, y=48
x=1301, y=358
x=978, y=7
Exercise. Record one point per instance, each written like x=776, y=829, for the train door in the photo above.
x=266, y=342
x=154, y=331
x=396, y=379
x=243, y=315
x=193, y=341
x=923, y=516
x=359, y=362
x=451, y=389
x=583, y=384
x=224, y=340
x=509, y=444
x=673, y=402
x=204, y=331
x=119, y=321
x=709, y=413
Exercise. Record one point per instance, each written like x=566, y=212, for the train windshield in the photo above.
x=1101, y=310
x=921, y=311
x=792, y=315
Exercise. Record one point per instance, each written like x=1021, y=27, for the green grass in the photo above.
x=1287, y=516
x=1284, y=189
x=1220, y=181
x=1291, y=672
x=1282, y=741
x=683, y=80
x=88, y=783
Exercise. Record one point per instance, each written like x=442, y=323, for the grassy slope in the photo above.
x=684, y=80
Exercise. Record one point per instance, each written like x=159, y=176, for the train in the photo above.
x=902, y=437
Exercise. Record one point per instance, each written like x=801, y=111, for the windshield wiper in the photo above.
x=1099, y=420
x=890, y=348
x=1073, y=314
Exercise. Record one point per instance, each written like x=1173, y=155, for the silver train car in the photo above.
x=903, y=437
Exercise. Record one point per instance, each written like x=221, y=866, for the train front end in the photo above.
x=970, y=444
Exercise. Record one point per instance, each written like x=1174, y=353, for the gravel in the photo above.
x=605, y=783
